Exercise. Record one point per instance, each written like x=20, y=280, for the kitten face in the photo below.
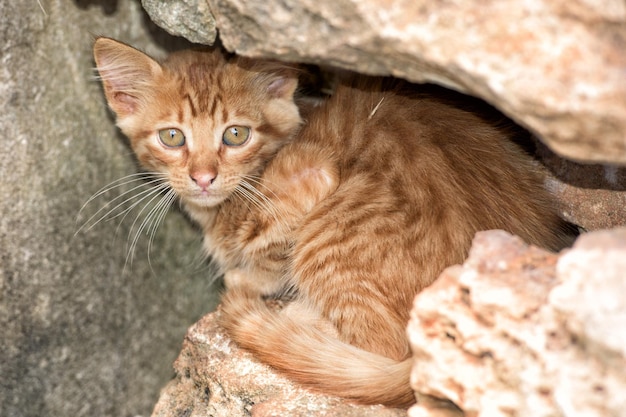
x=205, y=121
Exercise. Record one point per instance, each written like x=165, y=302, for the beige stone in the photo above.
x=515, y=331
x=519, y=331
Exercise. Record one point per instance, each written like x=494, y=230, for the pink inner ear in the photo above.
x=282, y=87
x=126, y=73
x=124, y=103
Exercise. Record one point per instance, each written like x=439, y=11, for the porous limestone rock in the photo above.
x=517, y=331
x=556, y=67
x=216, y=378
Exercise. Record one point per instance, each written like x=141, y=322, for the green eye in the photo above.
x=172, y=137
x=236, y=135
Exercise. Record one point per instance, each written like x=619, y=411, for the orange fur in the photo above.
x=350, y=213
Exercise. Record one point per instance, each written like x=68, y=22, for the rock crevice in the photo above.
x=556, y=68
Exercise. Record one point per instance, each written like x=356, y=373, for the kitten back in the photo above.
x=418, y=178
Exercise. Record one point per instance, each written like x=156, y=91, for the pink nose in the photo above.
x=204, y=179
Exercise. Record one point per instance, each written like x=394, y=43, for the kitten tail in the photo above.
x=297, y=342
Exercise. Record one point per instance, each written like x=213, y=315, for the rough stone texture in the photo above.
x=517, y=331
x=556, y=67
x=591, y=196
x=215, y=378
x=79, y=337
x=191, y=19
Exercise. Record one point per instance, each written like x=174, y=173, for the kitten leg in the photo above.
x=291, y=186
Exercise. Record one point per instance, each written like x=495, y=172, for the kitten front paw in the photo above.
x=236, y=278
x=253, y=281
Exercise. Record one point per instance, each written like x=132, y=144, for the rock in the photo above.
x=556, y=68
x=83, y=333
x=520, y=331
x=215, y=378
x=592, y=298
x=592, y=196
x=191, y=19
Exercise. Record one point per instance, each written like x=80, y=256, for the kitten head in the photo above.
x=205, y=119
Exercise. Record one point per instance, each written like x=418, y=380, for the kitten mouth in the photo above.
x=204, y=198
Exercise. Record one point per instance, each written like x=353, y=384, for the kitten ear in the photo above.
x=283, y=87
x=126, y=74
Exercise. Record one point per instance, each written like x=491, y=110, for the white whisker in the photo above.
x=162, y=208
x=129, y=179
x=250, y=196
x=42, y=8
x=257, y=181
x=261, y=200
x=91, y=223
x=142, y=225
x=139, y=176
x=375, y=109
x=142, y=196
x=279, y=214
x=148, y=195
x=240, y=192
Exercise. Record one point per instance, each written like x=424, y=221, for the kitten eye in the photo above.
x=172, y=137
x=236, y=135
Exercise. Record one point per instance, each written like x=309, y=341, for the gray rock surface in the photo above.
x=191, y=19
x=556, y=67
x=80, y=336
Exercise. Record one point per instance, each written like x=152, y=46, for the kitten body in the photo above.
x=352, y=211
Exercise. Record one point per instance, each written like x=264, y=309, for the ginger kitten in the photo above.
x=350, y=212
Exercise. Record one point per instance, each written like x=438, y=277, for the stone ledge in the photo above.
x=215, y=378
x=557, y=68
